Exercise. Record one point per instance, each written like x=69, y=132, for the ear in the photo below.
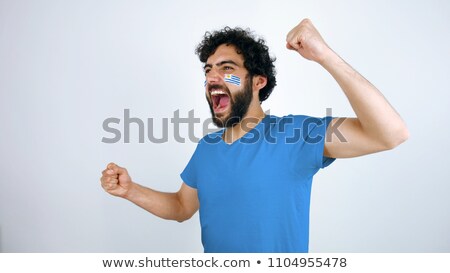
x=259, y=82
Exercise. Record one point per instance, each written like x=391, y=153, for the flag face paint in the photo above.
x=229, y=78
x=232, y=79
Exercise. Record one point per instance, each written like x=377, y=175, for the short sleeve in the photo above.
x=315, y=138
x=190, y=172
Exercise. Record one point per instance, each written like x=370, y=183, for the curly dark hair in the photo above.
x=254, y=50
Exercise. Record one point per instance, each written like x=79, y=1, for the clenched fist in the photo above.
x=306, y=40
x=115, y=180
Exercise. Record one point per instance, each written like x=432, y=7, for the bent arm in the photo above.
x=179, y=206
x=377, y=127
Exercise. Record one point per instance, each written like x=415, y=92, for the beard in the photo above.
x=239, y=104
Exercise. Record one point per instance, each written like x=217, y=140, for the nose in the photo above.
x=213, y=76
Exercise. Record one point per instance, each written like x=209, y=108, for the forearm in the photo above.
x=377, y=117
x=161, y=204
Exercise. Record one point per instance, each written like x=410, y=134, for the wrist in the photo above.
x=132, y=191
x=328, y=58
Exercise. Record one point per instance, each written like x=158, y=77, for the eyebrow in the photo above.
x=220, y=64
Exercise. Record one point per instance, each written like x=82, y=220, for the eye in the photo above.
x=207, y=71
x=227, y=68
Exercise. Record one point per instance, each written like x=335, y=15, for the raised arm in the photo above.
x=178, y=206
x=377, y=125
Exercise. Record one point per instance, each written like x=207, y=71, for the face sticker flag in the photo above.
x=232, y=79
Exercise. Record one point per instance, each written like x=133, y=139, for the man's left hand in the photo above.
x=306, y=40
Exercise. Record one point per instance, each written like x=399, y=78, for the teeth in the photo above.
x=217, y=92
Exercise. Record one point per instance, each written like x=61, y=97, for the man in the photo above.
x=252, y=179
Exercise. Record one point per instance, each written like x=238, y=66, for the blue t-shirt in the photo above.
x=254, y=194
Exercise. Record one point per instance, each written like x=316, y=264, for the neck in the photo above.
x=254, y=115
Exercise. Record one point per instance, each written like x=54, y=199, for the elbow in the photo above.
x=397, y=138
x=183, y=218
x=184, y=215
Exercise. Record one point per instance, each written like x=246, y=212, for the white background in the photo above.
x=66, y=66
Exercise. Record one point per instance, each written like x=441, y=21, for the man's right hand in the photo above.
x=178, y=206
x=115, y=180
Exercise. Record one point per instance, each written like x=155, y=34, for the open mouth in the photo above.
x=220, y=100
